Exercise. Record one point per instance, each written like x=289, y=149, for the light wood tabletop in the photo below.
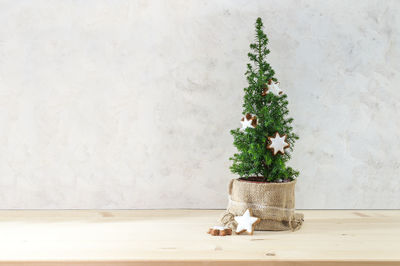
x=178, y=237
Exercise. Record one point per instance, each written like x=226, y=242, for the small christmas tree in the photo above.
x=266, y=134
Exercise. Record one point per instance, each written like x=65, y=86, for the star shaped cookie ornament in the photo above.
x=248, y=121
x=278, y=144
x=274, y=88
x=246, y=223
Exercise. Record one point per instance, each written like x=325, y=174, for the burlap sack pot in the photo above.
x=273, y=203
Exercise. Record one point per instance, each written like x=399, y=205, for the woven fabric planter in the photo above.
x=273, y=203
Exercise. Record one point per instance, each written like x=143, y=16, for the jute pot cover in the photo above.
x=273, y=203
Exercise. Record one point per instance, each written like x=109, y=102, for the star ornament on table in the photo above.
x=274, y=88
x=246, y=223
x=278, y=144
x=248, y=121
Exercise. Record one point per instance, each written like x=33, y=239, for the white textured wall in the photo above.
x=128, y=104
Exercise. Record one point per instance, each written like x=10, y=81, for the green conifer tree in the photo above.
x=267, y=112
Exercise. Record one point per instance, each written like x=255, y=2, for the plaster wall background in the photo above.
x=128, y=104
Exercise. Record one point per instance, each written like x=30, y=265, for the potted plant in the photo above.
x=266, y=185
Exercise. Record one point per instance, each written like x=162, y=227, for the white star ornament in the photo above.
x=278, y=143
x=246, y=223
x=248, y=120
x=274, y=88
x=245, y=124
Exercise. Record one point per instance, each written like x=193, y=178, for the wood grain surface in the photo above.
x=178, y=237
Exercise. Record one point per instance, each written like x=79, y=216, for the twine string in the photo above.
x=258, y=206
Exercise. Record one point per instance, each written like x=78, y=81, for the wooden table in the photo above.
x=178, y=237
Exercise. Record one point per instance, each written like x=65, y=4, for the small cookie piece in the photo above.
x=219, y=231
x=246, y=223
